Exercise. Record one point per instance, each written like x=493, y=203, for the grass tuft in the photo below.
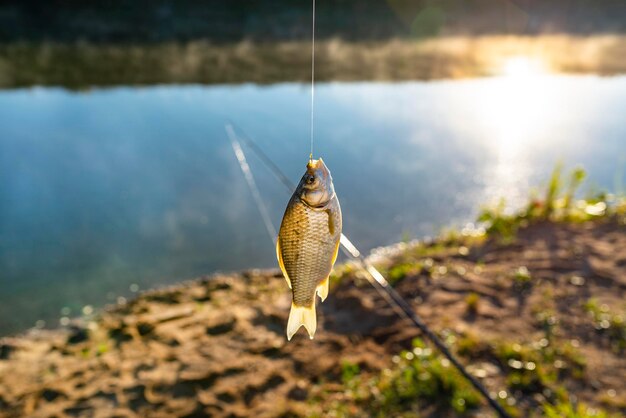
x=416, y=376
x=571, y=410
x=558, y=205
x=472, y=301
x=610, y=325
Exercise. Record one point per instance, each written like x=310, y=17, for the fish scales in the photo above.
x=308, y=247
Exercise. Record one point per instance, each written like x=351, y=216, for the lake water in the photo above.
x=106, y=190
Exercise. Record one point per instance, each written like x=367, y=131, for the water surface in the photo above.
x=105, y=190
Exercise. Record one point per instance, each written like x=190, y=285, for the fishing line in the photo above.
x=374, y=277
x=312, y=79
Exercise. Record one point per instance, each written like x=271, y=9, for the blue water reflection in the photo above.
x=107, y=188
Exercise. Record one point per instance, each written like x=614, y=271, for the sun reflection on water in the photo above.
x=515, y=109
x=520, y=66
x=517, y=105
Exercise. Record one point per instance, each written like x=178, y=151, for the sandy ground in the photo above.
x=217, y=347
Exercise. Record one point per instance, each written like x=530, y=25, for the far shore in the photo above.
x=83, y=65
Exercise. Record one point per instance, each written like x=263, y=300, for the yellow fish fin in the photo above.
x=322, y=289
x=279, y=255
x=301, y=316
x=332, y=263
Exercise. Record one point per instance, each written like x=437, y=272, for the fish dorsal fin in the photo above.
x=279, y=255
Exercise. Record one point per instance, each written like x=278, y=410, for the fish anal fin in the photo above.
x=301, y=316
x=279, y=255
x=322, y=289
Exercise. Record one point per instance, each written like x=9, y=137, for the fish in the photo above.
x=308, y=243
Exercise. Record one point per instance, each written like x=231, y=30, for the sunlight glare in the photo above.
x=517, y=106
x=515, y=109
x=523, y=67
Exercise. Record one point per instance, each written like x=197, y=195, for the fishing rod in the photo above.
x=374, y=277
x=247, y=173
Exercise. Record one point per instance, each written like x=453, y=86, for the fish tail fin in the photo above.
x=322, y=289
x=301, y=316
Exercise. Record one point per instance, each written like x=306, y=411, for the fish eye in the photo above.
x=310, y=179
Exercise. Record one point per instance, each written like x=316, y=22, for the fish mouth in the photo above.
x=313, y=164
x=316, y=164
x=316, y=167
x=319, y=193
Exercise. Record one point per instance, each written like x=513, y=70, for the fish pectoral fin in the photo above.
x=322, y=289
x=279, y=255
x=301, y=316
x=335, y=254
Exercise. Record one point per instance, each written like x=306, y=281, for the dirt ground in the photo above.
x=217, y=346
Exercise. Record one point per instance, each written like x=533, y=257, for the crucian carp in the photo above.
x=308, y=242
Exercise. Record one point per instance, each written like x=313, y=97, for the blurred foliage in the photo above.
x=399, y=271
x=416, y=375
x=540, y=367
x=234, y=20
x=558, y=205
x=86, y=64
x=423, y=258
x=538, y=370
x=610, y=325
x=570, y=410
x=522, y=277
x=472, y=301
x=422, y=379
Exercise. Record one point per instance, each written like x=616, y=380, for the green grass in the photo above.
x=522, y=279
x=400, y=271
x=471, y=345
x=348, y=372
x=422, y=379
x=417, y=377
x=559, y=204
x=472, y=301
x=571, y=410
x=608, y=324
x=533, y=368
x=542, y=367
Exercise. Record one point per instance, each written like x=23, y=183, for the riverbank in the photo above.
x=83, y=65
x=539, y=319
